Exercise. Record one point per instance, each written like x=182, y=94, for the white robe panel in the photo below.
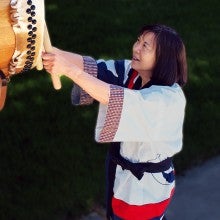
x=152, y=117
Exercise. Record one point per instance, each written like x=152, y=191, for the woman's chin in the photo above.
x=133, y=64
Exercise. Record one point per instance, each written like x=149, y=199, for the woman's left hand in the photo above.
x=58, y=62
x=61, y=62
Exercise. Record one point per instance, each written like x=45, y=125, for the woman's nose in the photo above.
x=137, y=48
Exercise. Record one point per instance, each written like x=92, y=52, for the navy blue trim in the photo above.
x=106, y=75
x=75, y=94
x=110, y=177
x=120, y=69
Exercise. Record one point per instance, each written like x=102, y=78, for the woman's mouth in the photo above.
x=135, y=59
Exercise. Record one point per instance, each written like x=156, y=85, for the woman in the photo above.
x=141, y=114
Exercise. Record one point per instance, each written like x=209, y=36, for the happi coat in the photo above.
x=147, y=123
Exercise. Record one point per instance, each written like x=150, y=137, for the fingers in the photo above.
x=48, y=61
x=48, y=56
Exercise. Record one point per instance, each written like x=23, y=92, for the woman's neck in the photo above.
x=145, y=77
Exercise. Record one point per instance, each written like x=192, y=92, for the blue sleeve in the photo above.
x=78, y=95
x=111, y=71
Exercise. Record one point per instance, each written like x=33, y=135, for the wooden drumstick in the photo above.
x=48, y=48
x=39, y=65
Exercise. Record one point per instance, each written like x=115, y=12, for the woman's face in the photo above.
x=144, y=55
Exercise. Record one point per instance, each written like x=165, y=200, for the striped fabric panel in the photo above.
x=90, y=67
x=140, y=212
x=133, y=79
x=113, y=114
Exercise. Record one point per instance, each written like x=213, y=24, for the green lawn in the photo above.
x=50, y=165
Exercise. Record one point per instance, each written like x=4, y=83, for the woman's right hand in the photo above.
x=62, y=62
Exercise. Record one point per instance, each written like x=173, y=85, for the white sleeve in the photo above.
x=151, y=114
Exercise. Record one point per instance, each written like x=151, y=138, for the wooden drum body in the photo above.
x=21, y=36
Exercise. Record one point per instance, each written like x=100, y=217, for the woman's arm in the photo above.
x=74, y=58
x=71, y=65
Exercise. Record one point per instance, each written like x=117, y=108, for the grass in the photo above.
x=51, y=168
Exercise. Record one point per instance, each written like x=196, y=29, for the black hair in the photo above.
x=171, y=64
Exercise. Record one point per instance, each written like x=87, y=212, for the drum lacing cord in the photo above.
x=14, y=12
x=14, y=21
x=13, y=64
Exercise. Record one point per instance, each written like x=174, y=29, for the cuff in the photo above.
x=113, y=115
x=78, y=95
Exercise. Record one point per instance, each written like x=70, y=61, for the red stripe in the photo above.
x=142, y=212
x=131, y=81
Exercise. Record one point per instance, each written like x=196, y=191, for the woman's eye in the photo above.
x=145, y=46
